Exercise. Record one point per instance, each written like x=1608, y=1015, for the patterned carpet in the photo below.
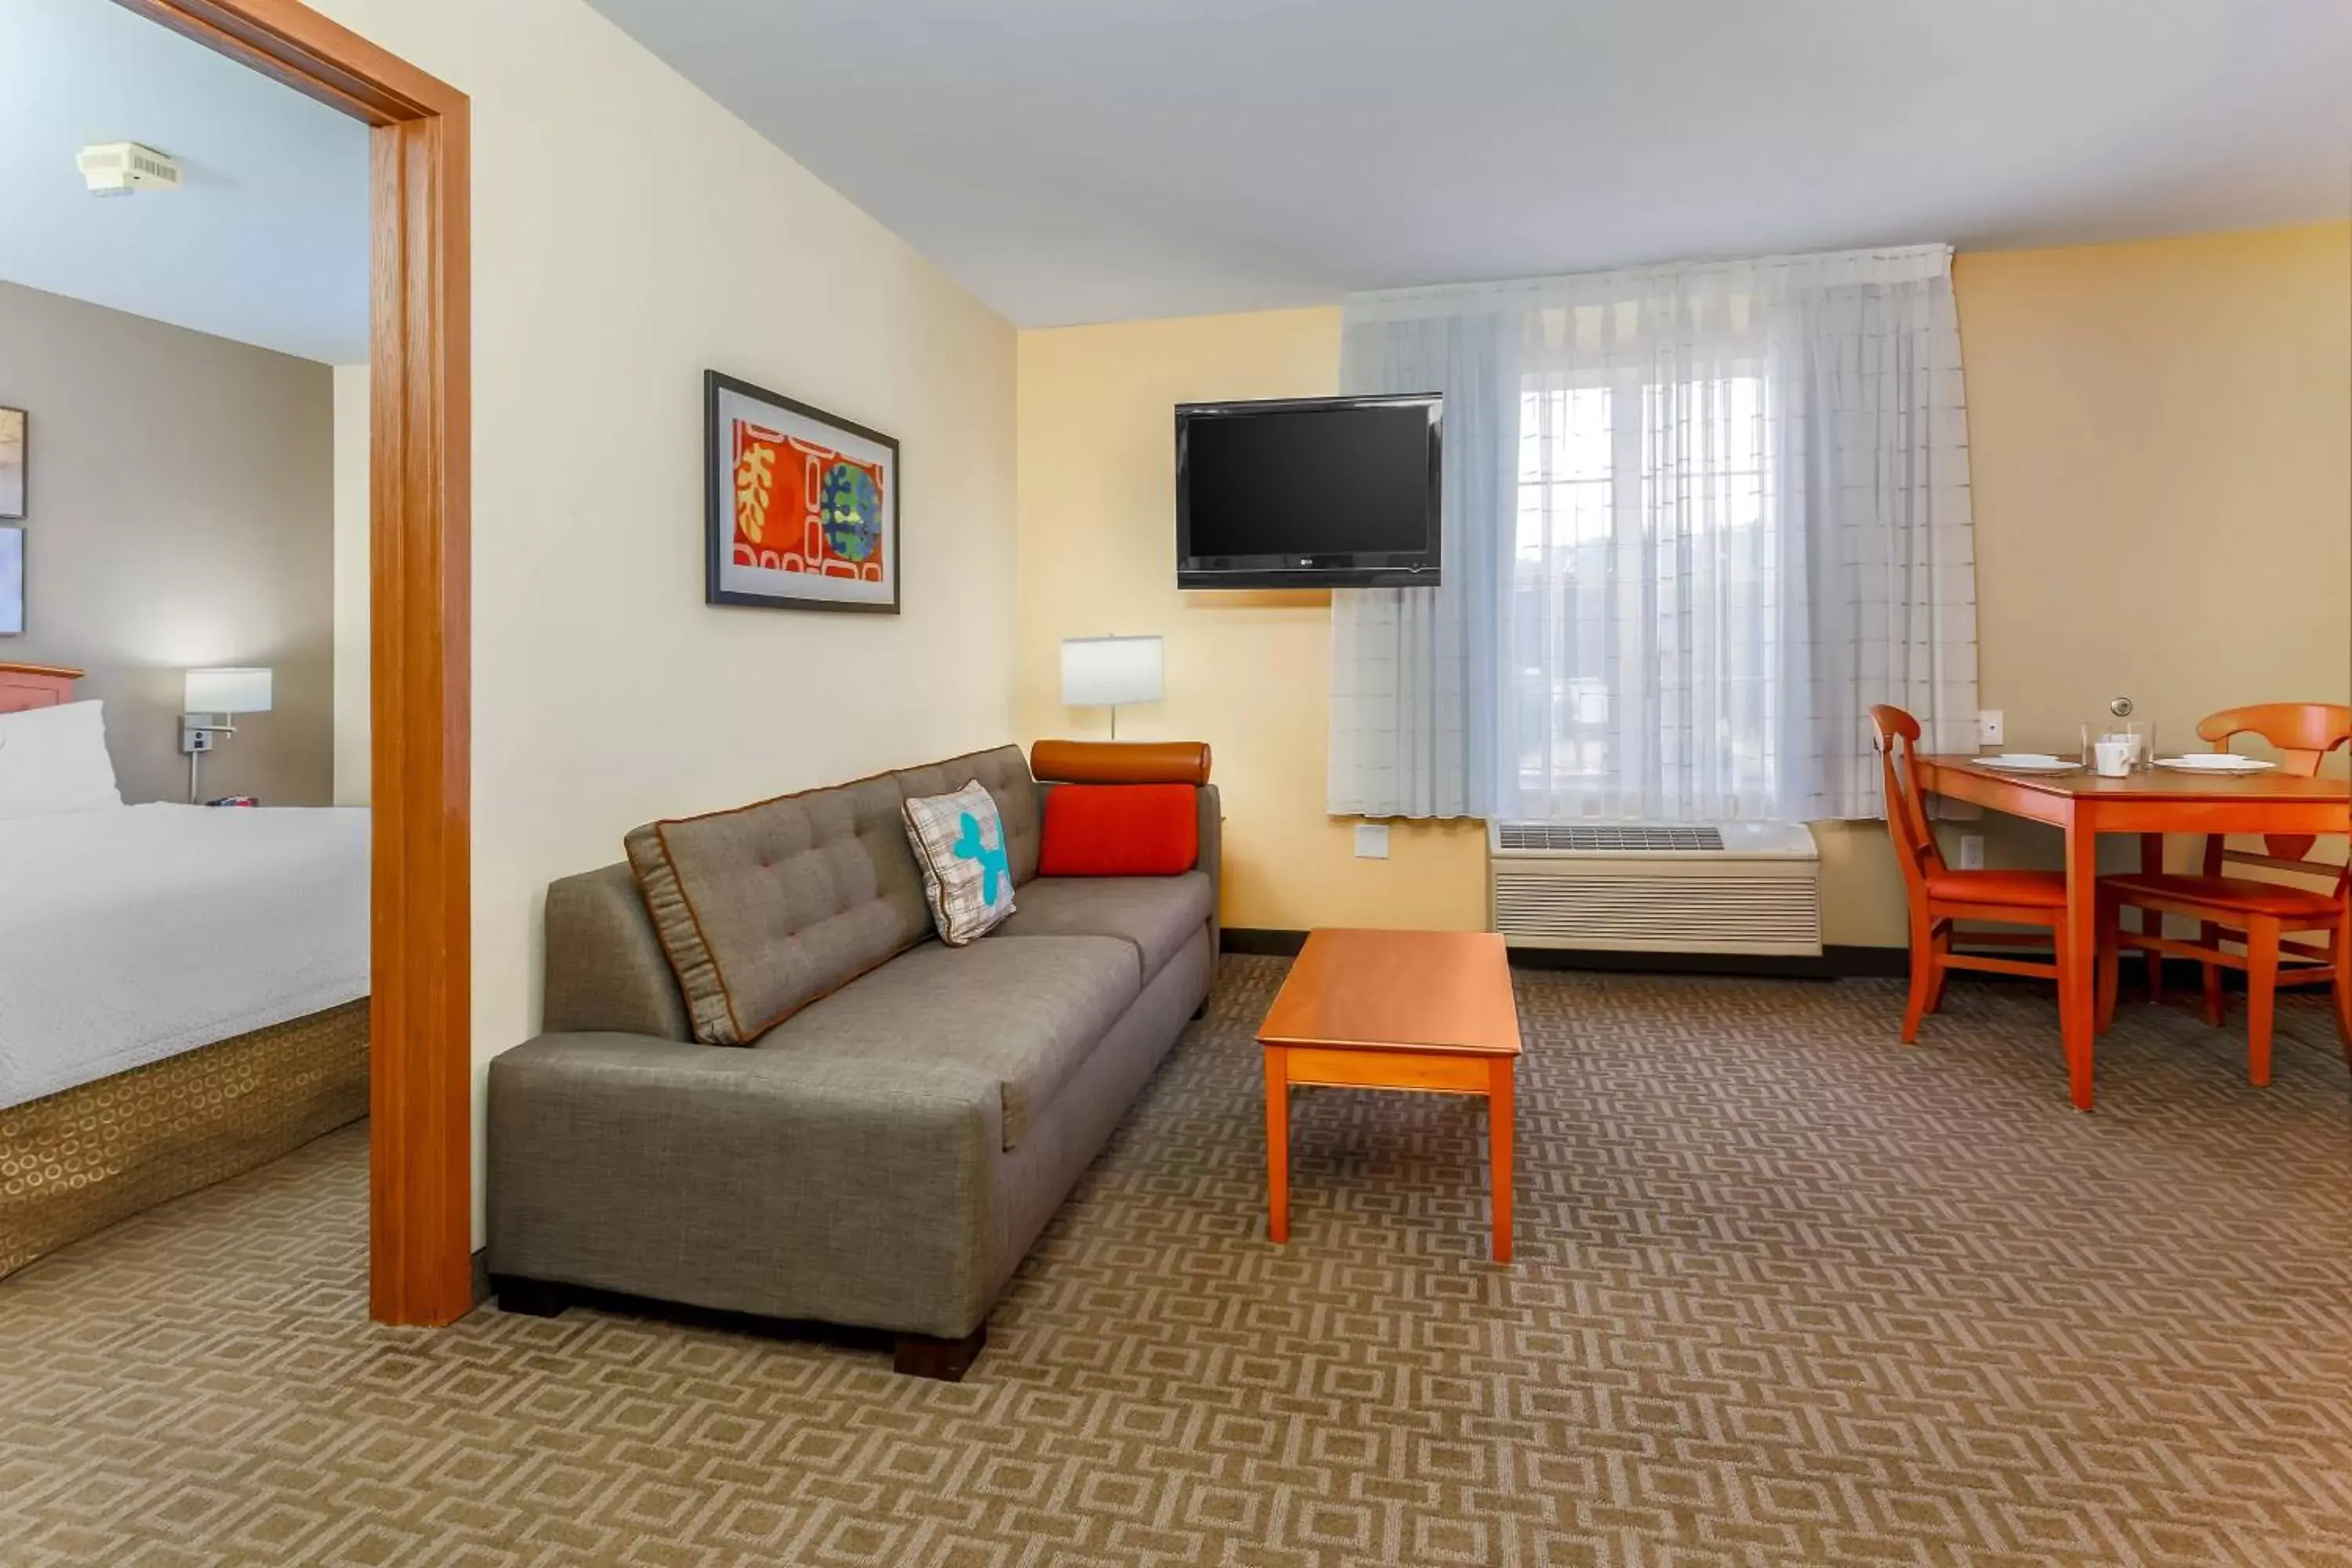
x=1787, y=1292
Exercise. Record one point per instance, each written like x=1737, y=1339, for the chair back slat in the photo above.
x=1915, y=851
x=2303, y=734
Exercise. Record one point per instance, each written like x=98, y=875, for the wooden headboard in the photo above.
x=24, y=686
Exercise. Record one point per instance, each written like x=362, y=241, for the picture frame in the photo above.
x=12, y=581
x=801, y=507
x=13, y=465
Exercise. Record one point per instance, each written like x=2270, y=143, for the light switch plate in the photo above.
x=1971, y=851
x=1371, y=841
x=1989, y=727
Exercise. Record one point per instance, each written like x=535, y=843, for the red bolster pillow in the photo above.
x=1120, y=830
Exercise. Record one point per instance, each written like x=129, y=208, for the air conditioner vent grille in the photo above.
x=1633, y=838
x=1729, y=913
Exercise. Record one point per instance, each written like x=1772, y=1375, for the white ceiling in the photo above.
x=1088, y=160
x=266, y=240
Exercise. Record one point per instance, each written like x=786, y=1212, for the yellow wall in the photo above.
x=2155, y=428
x=1249, y=673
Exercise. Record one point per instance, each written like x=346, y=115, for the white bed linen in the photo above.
x=131, y=933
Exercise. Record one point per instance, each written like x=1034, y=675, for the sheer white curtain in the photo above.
x=1415, y=676
x=1736, y=515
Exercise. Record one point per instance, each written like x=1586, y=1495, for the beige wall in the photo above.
x=351, y=620
x=2161, y=437
x=2155, y=428
x=615, y=256
x=178, y=515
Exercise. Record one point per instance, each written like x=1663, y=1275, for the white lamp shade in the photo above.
x=1103, y=672
x=229, y=692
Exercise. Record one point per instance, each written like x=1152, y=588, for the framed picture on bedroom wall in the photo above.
x=12, y=464
x=801, y=507
x=12, y=581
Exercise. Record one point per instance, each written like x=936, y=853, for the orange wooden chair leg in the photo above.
x=2152, y=925
x=2109, y=965
x=2341, y=961
x=2261, y=996
x=1942, y=943
x=2210, y=934
x=1926, y=974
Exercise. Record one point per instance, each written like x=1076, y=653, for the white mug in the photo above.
x=2114, y=757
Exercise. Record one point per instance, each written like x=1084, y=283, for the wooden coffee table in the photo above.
x=1425, y=1010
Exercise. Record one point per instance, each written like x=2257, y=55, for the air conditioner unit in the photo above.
x=1742, y=887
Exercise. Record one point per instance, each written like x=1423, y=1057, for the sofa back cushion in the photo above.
x=764, y=909
x=1006, y=774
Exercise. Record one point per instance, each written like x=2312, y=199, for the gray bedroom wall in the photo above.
x=179, y=511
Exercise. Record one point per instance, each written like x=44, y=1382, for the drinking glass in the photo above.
x=2140, y=733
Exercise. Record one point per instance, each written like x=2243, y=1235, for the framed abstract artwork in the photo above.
x=800, y=509
x=12, y=581
x=12, y=464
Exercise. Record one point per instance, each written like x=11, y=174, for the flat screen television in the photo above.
x=1317, y=492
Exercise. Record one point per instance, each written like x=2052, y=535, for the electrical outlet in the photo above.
x=1371, y=841
x=1989, y=727
x=1971, y=851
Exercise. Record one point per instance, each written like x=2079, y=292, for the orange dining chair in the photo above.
x=1940, y=896
x=2257, y=914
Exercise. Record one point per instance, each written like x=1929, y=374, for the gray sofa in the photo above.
x=887, y=1153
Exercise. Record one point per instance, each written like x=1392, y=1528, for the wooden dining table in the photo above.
x=2149, y=803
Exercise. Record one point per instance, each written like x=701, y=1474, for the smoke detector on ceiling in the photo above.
x=119, y=168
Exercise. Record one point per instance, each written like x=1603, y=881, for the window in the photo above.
x=1642, y=676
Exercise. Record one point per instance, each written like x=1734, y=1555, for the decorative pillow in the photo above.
x=958, y=842
x=54, y=760
x=1120, y=830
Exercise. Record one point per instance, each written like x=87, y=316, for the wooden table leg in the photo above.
x=2077, y=958
x=1278, y=1144
x=1501, y=1109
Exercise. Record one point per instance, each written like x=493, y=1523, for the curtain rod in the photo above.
x=1932, y=260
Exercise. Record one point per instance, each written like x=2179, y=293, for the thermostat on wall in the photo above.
x=119, y=168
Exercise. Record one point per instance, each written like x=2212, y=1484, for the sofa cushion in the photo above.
x=1026, y=1014
x=1006, y=774
x=1155, y=916
x=766, y=908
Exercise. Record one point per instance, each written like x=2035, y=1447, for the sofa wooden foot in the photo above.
x=529, y=1298
x=920, y=1355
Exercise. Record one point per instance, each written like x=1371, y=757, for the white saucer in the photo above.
x=2214, y=763
x=2028, y=762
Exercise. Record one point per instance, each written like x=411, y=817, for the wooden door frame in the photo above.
x=421, y=1208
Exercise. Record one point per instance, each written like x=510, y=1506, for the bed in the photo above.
x=183, y=992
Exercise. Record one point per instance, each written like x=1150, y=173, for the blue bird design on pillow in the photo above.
x=994, y=866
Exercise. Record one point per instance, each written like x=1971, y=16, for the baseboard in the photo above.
x=1836, y=963
x=1262, y=943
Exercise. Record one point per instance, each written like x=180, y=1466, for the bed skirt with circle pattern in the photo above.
x=75, y=1163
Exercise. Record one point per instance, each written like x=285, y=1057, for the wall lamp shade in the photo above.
x=1103, y=672
x=228, y=691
